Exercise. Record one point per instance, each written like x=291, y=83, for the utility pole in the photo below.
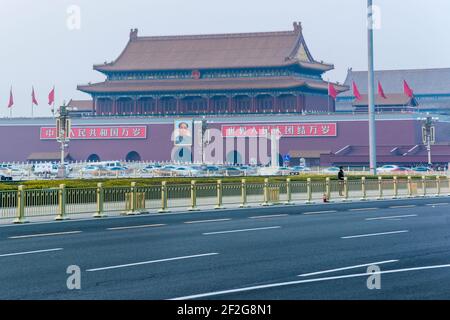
x=428, y=135
x=63, y=128
x=371, y=90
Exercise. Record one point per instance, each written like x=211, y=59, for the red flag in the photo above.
x=332, y=91
x=51, y=97
x=381, y=91
x=356, y=92
x=407, y=89
x=33, y=97
x=11, y=99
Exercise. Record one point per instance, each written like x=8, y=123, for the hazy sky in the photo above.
x=37, y=47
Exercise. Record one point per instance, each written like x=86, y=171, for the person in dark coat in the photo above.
x=341, y=176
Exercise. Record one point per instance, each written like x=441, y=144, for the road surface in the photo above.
x=279, y=252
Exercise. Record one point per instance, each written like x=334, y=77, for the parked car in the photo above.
x=4, y=177
x=299, y=169
x=331, y=170
x=389, y=168
x=421, y=169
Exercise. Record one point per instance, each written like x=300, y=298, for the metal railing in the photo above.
x=62, y=202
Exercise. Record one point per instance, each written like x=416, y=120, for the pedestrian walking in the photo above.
x=341, y=176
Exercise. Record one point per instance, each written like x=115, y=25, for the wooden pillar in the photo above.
x=114, y=105
x=299, y=106
x=230, y=104
x=158, y=105
x=208, y=103
x=275, y=105
x=135, y=105
x=252, y=103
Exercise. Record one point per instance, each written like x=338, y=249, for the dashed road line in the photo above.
x=374, y=234
x=29, y=252
x=137, y=227
x=44, y=235
x=319, y=212
x=206, y=221
x=347, y=268
x=152, y=261
x=392, y=217
x=240, y=230
x=270, y=216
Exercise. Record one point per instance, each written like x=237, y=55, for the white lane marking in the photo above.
x=206, y=221
x=392, y=217
x=346, y=268
x=374, y=234
x=363, y=209
x=269, y=216
x=152, y=261
x=403, y=207
x=319, y=212
x=29, y=252
x=137, y=227
x=241, y=230
x=290, y=283
x=44, y=234
x=437, y=204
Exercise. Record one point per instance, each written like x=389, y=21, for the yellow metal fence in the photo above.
x=64, y=202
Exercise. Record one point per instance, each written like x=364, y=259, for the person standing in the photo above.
x=341, y=176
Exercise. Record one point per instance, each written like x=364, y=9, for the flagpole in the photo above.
x=371, y=88
x=32, y=95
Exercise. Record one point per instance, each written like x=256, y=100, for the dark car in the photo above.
x=5, y=178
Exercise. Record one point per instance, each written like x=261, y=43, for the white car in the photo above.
x=331, y=170
x=389, y=168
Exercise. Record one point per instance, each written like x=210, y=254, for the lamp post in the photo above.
x=63, y=128
x=371, y=89
x=428, y=134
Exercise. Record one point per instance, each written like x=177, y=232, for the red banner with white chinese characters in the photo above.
x=283, y=130
x=98, y=132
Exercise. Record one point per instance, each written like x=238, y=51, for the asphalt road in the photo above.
x=279, y=252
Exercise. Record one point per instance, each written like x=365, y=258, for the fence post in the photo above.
x=100, y=200
x=410, y=190
x=163, y=197
x=193, y=196
x=363, y=189
x=219, y=195
x=380, y=188
x=328, y=189
x=266, y=193
x=133, y=202
x=395, y=188
x=61, y=203
x=20, y=218
x=308, y=191
x=345, y=189
x=243, y=194
x=438, y=186
x=424, y=186
x=288, y=192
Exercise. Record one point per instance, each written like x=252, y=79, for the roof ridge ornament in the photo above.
x=298, y=26
x=133, y=34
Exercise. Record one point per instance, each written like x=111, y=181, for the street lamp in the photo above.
x=63, y=128
x=371, y=90
x=429, y=134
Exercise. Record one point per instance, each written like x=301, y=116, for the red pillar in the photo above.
x=275, y=107
x=135, y=105
x=158, y=105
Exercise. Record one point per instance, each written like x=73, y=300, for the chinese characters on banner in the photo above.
x=284, y=130
x=98, y=133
